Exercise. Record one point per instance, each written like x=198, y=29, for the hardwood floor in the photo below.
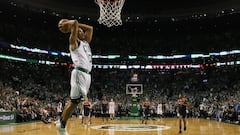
x=165, y=126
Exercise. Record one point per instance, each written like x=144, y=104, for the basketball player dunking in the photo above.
x=182, y=107
x=81, y=55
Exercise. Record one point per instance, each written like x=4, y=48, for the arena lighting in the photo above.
x=28, y=49
x=27, y=60
x=220, y=64
x=113, y=56
x=123, y=67
x=99, y=56
x=103, y=66
x=167, y=67
x=132, y=57
x=54, y=53
x=162, y=57
x=214, y=54
x=47, y=62
x=168, y=57
x=134, y=66
x=65, y=54
x=223, y=53
x=156, y=57
x=234, y=52
x=148, y=67
x=230, y=63
x=12, y=58
x=179, y=56
x=193, y=56
x=106, y=56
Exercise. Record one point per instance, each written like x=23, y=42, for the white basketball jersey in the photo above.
x=82, y=56
x=159, y=109
x=111, y=105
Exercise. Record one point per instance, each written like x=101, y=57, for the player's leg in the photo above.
x=143, y=120
x=82, y=118
x=110, y=115
x=69, y=105
x=180, y=121
x=88, y=119
x=180, y=124
x=102, y=115
x=87, y=116
x=77, y=84
x=107, y=116
x=68, y=109
x=148, y=115
x=143, y=116
x=158, y=116
x=184, y=122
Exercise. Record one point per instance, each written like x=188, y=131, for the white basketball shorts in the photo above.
x=80, y=84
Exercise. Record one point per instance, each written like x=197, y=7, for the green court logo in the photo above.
x=130, y=127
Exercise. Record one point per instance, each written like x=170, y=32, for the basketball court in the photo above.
x=165, y=126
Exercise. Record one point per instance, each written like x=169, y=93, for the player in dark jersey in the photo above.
x=86, y=108
x=182, y=107
x=146, y=111
x=104, y=109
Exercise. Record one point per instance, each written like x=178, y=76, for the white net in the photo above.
x=110, y=12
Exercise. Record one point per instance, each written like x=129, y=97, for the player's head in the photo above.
x=63, y=26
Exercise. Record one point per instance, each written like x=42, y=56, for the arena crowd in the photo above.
x=35, y=91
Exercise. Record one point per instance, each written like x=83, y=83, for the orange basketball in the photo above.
x=63, y=26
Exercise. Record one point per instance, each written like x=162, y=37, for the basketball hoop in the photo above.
x=110, y=12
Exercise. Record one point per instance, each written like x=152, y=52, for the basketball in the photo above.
x=63, y=26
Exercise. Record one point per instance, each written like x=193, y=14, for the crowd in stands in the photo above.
x=34, y=91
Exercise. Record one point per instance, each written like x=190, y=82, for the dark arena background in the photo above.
x=162, y=49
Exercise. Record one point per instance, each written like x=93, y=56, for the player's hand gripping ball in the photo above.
x=63, y=26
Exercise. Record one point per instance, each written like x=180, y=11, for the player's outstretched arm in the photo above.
x=88, y=31
x=74, y=34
